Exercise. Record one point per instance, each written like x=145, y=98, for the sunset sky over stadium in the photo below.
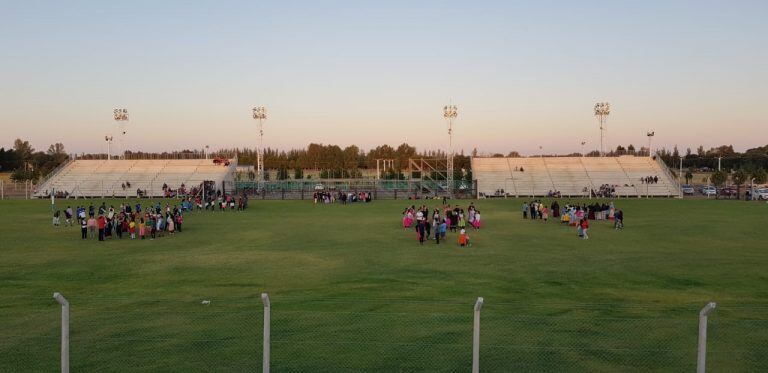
x=523, y=74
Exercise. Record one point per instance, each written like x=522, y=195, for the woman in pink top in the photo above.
x=92, y=227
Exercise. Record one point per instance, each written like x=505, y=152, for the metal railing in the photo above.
x=333, y=334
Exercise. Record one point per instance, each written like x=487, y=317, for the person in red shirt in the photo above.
x=102, y=223
x=584, y=227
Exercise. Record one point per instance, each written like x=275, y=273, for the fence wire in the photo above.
x=338, y=335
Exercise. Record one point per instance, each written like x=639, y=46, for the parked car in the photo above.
x=708, y=190
x=728, y=191
x=761, y=193
x=688, y=189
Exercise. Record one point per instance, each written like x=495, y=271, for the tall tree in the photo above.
x=718, y=178
x=759, y=175
x=23, y=149
x=739, y=177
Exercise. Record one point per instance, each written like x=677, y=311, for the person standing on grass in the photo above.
x=68, y=215
x=132, y=229
x=102, y=224
x=159, y=225
x=151, y=226
x=525, y=210
x=142, y=228
x=462, y=222
x=544, y=213
x=420, y=231
x=56, y=215
x=92, y=225
x=476, y=222
x=170, y=224
x=84, y=228
x=436, y=227
x=443, y=228
x=618, y=222
x=464, y=238
x=584, y=228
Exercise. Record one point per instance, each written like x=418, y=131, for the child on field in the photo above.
x=420, y=231
x=584, y=228
x=56, y=218
x=142, y=228
x=464, y=238
x=91, y=227
x=443, y=228
x=476, y=222
x=132, y=229
x=84, y=228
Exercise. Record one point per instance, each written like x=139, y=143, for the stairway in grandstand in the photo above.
x=571, y=176
x=96, y=178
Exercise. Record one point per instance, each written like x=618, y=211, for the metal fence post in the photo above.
x=476, y=337
x=701, y=362
x=64, y=331
x=267, y=306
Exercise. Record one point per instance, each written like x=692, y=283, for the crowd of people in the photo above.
x=220, y=201
x=341, y=197
x=649, y=180
x=574, y=215
x=133, y=222
x=604, y=191
x=434, y=225
x=554, y=194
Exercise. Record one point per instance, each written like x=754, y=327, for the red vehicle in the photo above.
x=221, y=161
x=727, y=192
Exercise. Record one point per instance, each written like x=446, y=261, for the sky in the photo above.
x=523, y=74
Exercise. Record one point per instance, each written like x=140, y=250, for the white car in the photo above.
x=319, y=187
x=709, y=191
x=688, y=189
x=761, y=193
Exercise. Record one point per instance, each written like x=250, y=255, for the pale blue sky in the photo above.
x=523, y=74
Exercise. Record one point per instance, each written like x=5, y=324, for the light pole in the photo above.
x=650, y=135
x=260, y=115
x=602, y=110
x=679, y=176
x=205, y=152
x=718, y=163
x=121, y=117
x=450, y=112
x=541, y=152
x=582, y=147
x=108, y=139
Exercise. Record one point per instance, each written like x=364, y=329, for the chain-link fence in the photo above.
x=336, y=335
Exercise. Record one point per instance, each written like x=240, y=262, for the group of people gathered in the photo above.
x=222, y=202
x=604, y=191
x=574, y=215
x=342, y=197
x=135, y=222
x=649, y=180
x=453, y=219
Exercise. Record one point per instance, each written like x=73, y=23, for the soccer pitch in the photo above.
x=352, y=291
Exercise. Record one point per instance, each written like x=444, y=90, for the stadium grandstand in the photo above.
x=623, y=176
x=145, y=177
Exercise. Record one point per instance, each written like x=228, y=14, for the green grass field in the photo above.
x=352, y=291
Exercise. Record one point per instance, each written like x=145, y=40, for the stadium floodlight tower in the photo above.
x=121, y=117
x=108, y=139
x=450, y=112
x=602, y=110
x=650, y=135
x=260, y=115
